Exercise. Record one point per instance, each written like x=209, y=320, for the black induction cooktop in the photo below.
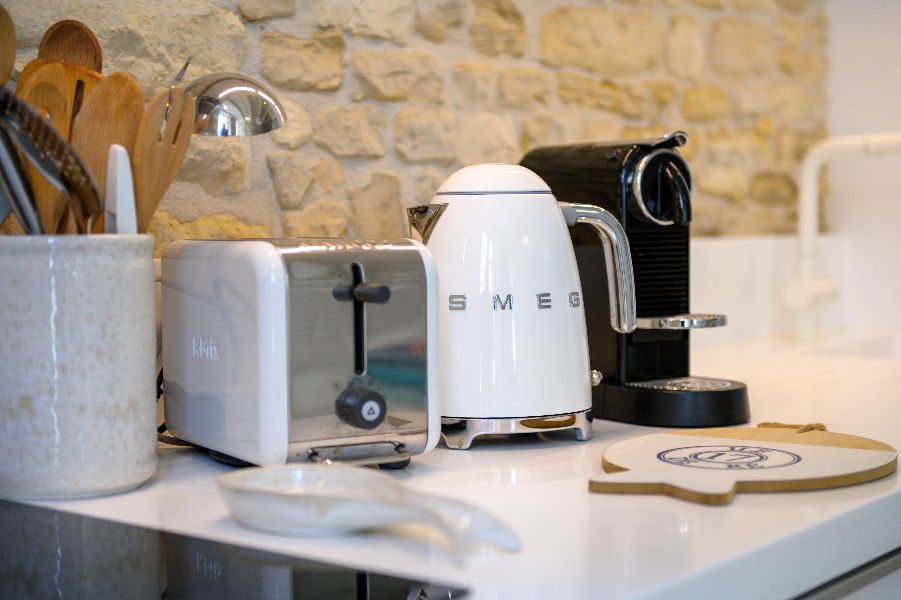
x=46, y=553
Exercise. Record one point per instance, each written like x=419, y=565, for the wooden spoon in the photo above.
x=111, y=114
x=72, y=42
x=56, y=90
x=7, y=46
x=160, y=147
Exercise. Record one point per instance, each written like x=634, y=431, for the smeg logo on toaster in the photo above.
x=204, y=348
x=543, y=300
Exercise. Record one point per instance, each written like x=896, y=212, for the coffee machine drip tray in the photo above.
x=676, y=402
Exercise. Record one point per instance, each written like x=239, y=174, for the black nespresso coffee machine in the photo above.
x=646, y=184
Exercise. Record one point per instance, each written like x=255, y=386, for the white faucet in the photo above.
x=811, y=293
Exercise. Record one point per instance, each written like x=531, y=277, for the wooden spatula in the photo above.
x=57, y=91
x=71, y=42
x=111, y=114
x=7, y=45
x=160, y=147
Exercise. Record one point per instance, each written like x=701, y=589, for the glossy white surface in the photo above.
x=488, y=178
x=577, y=544
x=511, y=319
x=225, y=340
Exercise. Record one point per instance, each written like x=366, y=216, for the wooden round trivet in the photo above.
x=709, y=466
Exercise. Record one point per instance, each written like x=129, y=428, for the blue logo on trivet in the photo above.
x=729, y=457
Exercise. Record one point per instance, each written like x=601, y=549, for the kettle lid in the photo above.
x=494, y=179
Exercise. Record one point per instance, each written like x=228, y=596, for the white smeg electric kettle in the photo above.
x=513, y=354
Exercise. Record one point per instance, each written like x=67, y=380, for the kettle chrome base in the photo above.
x=459, y=433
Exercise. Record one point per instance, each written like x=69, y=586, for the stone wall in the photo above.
x=388, y=97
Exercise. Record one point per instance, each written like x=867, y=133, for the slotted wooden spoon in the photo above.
x=160, y=147
x=111, y=114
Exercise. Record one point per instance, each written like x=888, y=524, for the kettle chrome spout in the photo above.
x=620, y=280
x=423, y=219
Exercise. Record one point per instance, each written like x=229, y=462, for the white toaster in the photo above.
x=283, y=350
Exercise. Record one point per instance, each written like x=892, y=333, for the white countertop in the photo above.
x=577, y=544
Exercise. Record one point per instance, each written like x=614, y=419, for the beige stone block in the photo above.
x=498, y=27
x=298, y=127
x=684, y=52
x=485, y=137
x=348, y=132
x=424, y=134
x=742, y=47
x=329, y=174
x=303, y=63
x=166, y=229
x=790, y=31
x=256, y=10
x=219, y=165
x=291, y=177
x=738, y=146
x=426, y=182
x=790, y=102
x=601, y=130
x=811, y=66
x=601, y=41
x=794, y=6
x=148, y=42
x=322, y=218
x=705, y=103
x=773, y=188
x=631, y=100
x=332, y=13
x=397, y=75
x=792, y=144
x=475, y=86
x=749, y=5
x=714, y=4
x=377, y=208
x=751, y=219
x=329, y=178
x=386, y=19
x=593, y=93
x=723, y=181
x=662, y=94
x=525, y=87
x=435, y=17
x=540, y=130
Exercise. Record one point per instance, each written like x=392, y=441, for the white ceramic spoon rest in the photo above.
x=329, y=499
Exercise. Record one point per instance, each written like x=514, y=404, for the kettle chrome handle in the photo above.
x=620, y=281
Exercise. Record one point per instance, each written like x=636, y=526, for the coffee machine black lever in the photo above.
x=646, y=185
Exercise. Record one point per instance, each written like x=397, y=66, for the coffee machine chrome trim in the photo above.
x=686, y=321
x=638, y=193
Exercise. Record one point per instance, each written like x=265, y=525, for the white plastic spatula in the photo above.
x=119, y=212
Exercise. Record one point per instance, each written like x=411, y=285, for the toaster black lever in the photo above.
x=362, y=292
x=372, y=292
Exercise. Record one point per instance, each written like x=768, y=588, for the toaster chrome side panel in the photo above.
x=325, y=335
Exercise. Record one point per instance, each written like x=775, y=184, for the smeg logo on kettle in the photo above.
x=543, y=300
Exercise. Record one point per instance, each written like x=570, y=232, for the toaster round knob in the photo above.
x=361, y=408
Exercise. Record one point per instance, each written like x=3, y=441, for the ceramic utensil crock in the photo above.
x=514, y=354
x=76, y=365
